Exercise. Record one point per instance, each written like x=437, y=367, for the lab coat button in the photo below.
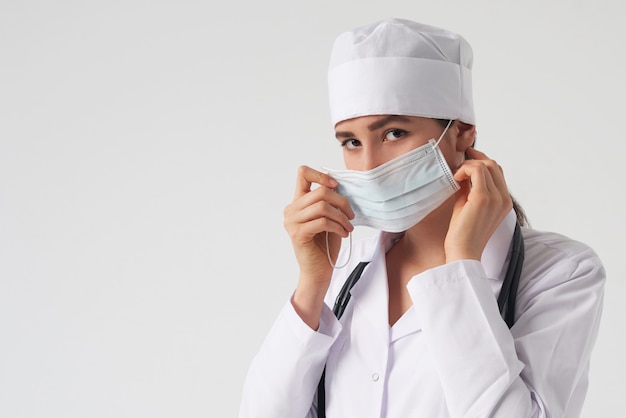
x=375, y=377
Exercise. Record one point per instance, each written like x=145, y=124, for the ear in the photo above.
x=466, y=135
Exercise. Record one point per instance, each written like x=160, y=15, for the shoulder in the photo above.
x=550, y=248
x=553, y=261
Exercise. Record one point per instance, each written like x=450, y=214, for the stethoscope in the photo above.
x=506, y=298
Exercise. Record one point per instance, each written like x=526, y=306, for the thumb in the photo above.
x=461, y=195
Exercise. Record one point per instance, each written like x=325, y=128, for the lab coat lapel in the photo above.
x=370, y=297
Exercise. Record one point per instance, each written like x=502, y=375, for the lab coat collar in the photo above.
x=371, y=294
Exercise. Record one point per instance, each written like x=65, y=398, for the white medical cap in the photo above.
x=400, y=67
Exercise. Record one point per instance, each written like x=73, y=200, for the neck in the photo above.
x=429, y=235
x=422, y=246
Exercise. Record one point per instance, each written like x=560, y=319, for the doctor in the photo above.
x=422, y=335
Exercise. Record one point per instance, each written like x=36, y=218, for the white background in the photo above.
x=147, y=149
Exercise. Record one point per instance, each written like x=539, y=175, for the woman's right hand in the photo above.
x=307, y=219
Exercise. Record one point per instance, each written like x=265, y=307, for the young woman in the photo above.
x=421, y=333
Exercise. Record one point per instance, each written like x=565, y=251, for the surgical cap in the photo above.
x=400, y=67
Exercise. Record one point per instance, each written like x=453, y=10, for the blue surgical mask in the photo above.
x=398, y=194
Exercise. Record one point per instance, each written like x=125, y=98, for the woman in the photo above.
x=422, y=334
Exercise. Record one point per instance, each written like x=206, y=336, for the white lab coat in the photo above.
x=451, y=354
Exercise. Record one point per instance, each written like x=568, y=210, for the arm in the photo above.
x=283, y=377
x=539, y=367
x=314, y=218
x=487, y=370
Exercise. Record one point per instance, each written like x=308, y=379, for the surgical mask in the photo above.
x=398, y=194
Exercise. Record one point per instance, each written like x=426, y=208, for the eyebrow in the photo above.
x=384, y=121
x=377, y=124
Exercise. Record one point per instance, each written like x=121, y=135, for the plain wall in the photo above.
x=147, y=149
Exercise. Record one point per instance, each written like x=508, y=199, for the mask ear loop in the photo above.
x=330, y=259
x=443, y=133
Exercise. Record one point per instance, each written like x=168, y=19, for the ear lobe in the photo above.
x=466, y=135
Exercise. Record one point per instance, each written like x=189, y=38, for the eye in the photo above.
x=351, y=143
x=394, y=134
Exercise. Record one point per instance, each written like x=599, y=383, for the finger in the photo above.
x=303, y=233
x=477, y=174
x=461, y=195
x=495, y=172
x=497, y=176
x=307, y=176
x=322, y=209
x=494, y=168
x=474, y=154
x=327, y=195
x=327, y=225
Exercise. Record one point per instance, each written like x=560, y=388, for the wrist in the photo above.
x=308, y=301
x=459, y=254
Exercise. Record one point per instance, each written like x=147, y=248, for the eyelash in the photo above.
x=353, y=142
x=346, y=143
x=402, y=133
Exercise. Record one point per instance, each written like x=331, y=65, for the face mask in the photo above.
x=398, y=194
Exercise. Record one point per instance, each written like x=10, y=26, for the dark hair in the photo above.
x=522, y=219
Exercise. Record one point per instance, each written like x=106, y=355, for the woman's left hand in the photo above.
x=481, y=205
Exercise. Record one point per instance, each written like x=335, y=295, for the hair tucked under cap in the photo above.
x=400, y=67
